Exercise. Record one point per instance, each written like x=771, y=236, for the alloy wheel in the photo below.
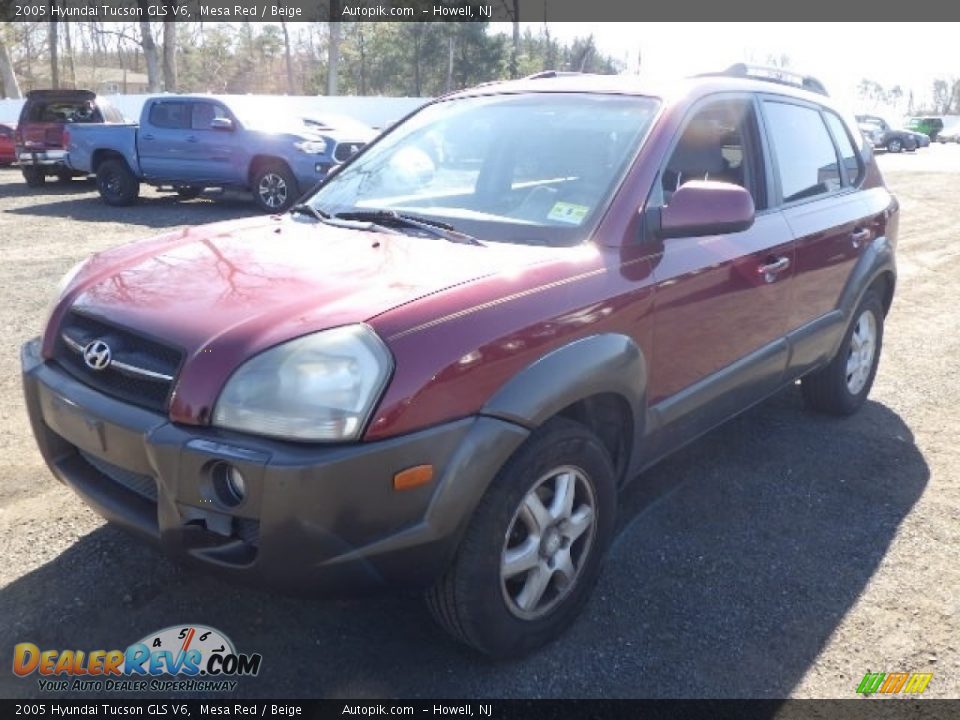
x=547, y=542
x=863, y=346
x=272, y=190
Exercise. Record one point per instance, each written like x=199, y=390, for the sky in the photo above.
x=840, y=55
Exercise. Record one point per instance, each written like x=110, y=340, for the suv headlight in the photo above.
x=312, y=147
x=318, y=387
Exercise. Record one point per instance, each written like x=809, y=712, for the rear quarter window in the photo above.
x=848, y=155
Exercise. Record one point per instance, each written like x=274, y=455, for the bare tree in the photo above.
x=11, y=88
x=287, y=56
x=333, y=50
x=170, y=55
x=68, y=45
x=53, y=41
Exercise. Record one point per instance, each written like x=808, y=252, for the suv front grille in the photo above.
x=346, y=150
x=141, y=371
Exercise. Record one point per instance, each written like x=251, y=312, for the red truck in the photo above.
x=8, y=154
x=41, y=147
x=439, y=369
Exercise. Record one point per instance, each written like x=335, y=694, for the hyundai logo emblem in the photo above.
x=97, y=355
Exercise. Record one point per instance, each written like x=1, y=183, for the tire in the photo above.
x=189, y=193
x=840, y=388
x=117, y=185
x=478, y=600
x=894, y=145
x=34, y=176
x=274, y=187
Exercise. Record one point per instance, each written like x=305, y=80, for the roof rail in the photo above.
x=551, y=74
x=772, y=74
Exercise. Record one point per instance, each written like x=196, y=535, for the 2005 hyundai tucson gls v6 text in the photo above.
x=439, y=368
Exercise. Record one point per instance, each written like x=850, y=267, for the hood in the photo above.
x=242, y=286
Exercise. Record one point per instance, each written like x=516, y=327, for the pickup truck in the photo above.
x=189, y=143
x=40, y=137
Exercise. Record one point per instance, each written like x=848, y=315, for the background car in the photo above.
x=949, y=134
x=886, y=137
x=921, y=139
x=40, y=135
x=929, y=126
x=8, y=154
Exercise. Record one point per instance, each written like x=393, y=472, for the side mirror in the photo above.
x=221, y=124
x=706, y=207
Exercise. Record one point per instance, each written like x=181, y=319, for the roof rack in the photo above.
x=772, y=74
x=551, y=74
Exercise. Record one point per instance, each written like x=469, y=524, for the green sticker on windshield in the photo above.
x=568, y=213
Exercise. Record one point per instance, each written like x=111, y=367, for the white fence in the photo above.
x=377, y=112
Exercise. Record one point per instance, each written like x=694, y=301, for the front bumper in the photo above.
x=315, y=518
x=50, y=158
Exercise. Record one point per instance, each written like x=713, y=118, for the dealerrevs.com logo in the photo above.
x=197, y=657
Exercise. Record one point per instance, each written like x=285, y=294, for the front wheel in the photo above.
x=117, y=185
x=274, y=188
x=34, y=176
x=533, y=549
x=842, y=387
x=894, y=146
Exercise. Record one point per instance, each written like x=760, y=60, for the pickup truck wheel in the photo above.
x=34, y=176
x=189, y=193
x=117, y=185
x=274, y=188
x=533, y=549
x=894, y=146
x=842, y=386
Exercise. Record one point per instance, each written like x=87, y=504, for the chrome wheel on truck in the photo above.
x=274, y=188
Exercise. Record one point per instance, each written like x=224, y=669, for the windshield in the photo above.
x=536, y=168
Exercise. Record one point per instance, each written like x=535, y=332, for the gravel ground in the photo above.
x=783, y=555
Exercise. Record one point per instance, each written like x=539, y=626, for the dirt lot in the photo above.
x=785, y=554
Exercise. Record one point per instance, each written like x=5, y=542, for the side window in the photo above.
x=173, y=115
x=205, y=113
x=806, y=158
x=718, y=143
x=849, y=156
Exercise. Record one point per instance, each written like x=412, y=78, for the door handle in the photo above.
x=770, y=271
x=146, y=137
x=859, y=236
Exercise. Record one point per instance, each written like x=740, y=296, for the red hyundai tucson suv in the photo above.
x=440, y=367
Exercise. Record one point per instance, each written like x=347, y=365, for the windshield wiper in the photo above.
x=392, y=218
x=308, y=209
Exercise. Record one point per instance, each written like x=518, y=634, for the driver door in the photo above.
x=721, y=301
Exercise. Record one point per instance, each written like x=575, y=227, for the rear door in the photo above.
x=818, y=172
x=721, y=300
x=215, y=156
x=162, y=140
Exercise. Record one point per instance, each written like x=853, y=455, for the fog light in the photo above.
x=229, y=483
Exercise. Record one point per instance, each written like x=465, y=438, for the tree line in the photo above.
x=397, y=59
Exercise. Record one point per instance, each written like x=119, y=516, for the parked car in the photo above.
x=191, y=143
x=928, y=126
x=920, y=139
x=949, y=134
x=888, y=138
x=441, y=377
x=8, y=153
x=44, y=118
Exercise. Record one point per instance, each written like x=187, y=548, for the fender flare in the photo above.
x=594, y=365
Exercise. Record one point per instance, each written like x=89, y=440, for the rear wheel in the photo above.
x=842, y=387
x=533, y=549
x=274, y=187
x=116, y=184
x=34, y=176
